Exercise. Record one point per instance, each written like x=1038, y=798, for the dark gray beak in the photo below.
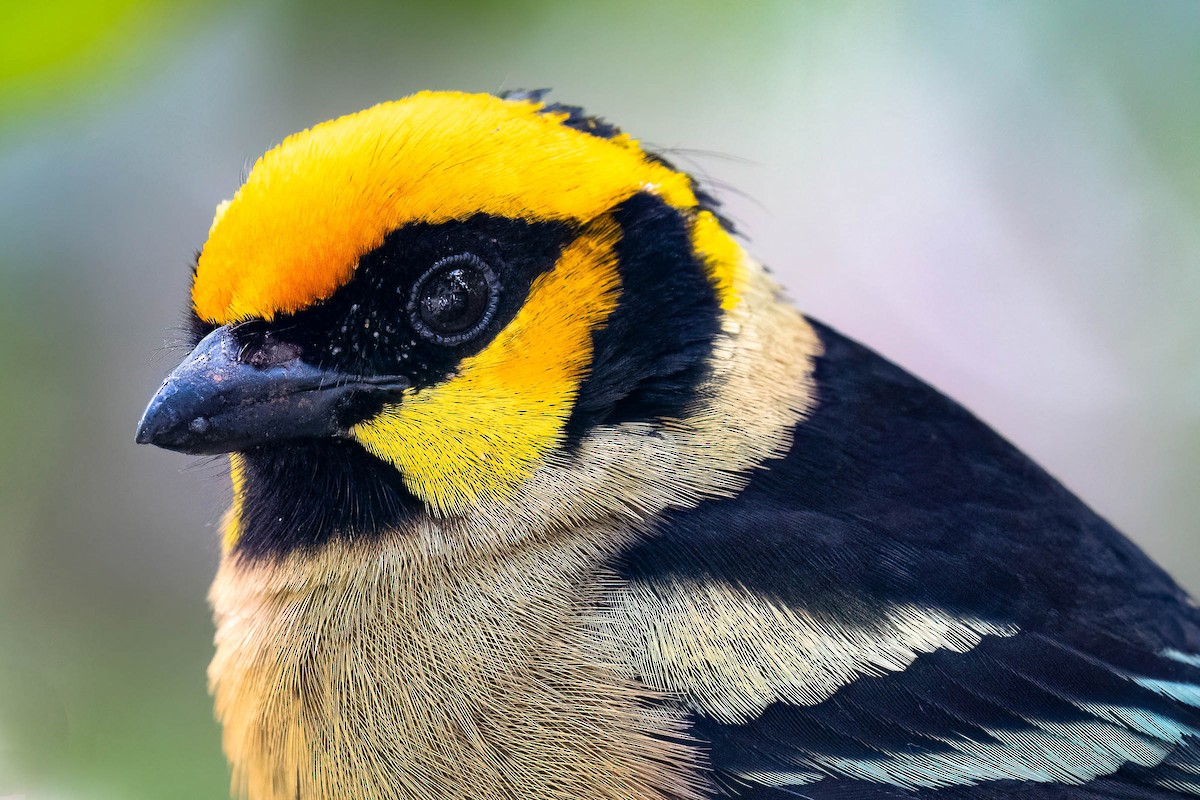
x=215, y=403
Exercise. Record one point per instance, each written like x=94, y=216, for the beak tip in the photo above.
x=146, y=428
x=143, y=435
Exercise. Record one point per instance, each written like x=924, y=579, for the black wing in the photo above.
x=996, y=637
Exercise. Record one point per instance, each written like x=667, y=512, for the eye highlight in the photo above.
x=454, y=300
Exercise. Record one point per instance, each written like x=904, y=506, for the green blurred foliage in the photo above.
x=52, y=51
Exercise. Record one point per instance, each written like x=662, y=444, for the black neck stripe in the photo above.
x=653, y=352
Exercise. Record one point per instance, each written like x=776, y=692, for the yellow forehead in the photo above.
x=314, y=205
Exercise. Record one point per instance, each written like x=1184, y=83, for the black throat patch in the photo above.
x=300, y=495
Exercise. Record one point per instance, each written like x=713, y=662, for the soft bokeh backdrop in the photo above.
x=1002, y=197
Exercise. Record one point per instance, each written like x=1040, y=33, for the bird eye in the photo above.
x=454, y=300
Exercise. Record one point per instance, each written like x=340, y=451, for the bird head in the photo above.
x=483, y=311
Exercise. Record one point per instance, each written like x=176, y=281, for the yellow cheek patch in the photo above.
x=314, y=205
x=724, y=259
x=481, y=433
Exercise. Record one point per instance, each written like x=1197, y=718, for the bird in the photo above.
x=543, y=488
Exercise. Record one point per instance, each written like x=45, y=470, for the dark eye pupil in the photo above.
x=454, y=300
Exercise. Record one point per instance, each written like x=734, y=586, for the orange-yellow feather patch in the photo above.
x=231, y=525
x=311, y=207
x=726, y=263
x=481, y=433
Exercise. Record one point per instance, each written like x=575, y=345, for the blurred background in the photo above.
x=1002, y=197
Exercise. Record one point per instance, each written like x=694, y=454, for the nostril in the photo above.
x=268, y=351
